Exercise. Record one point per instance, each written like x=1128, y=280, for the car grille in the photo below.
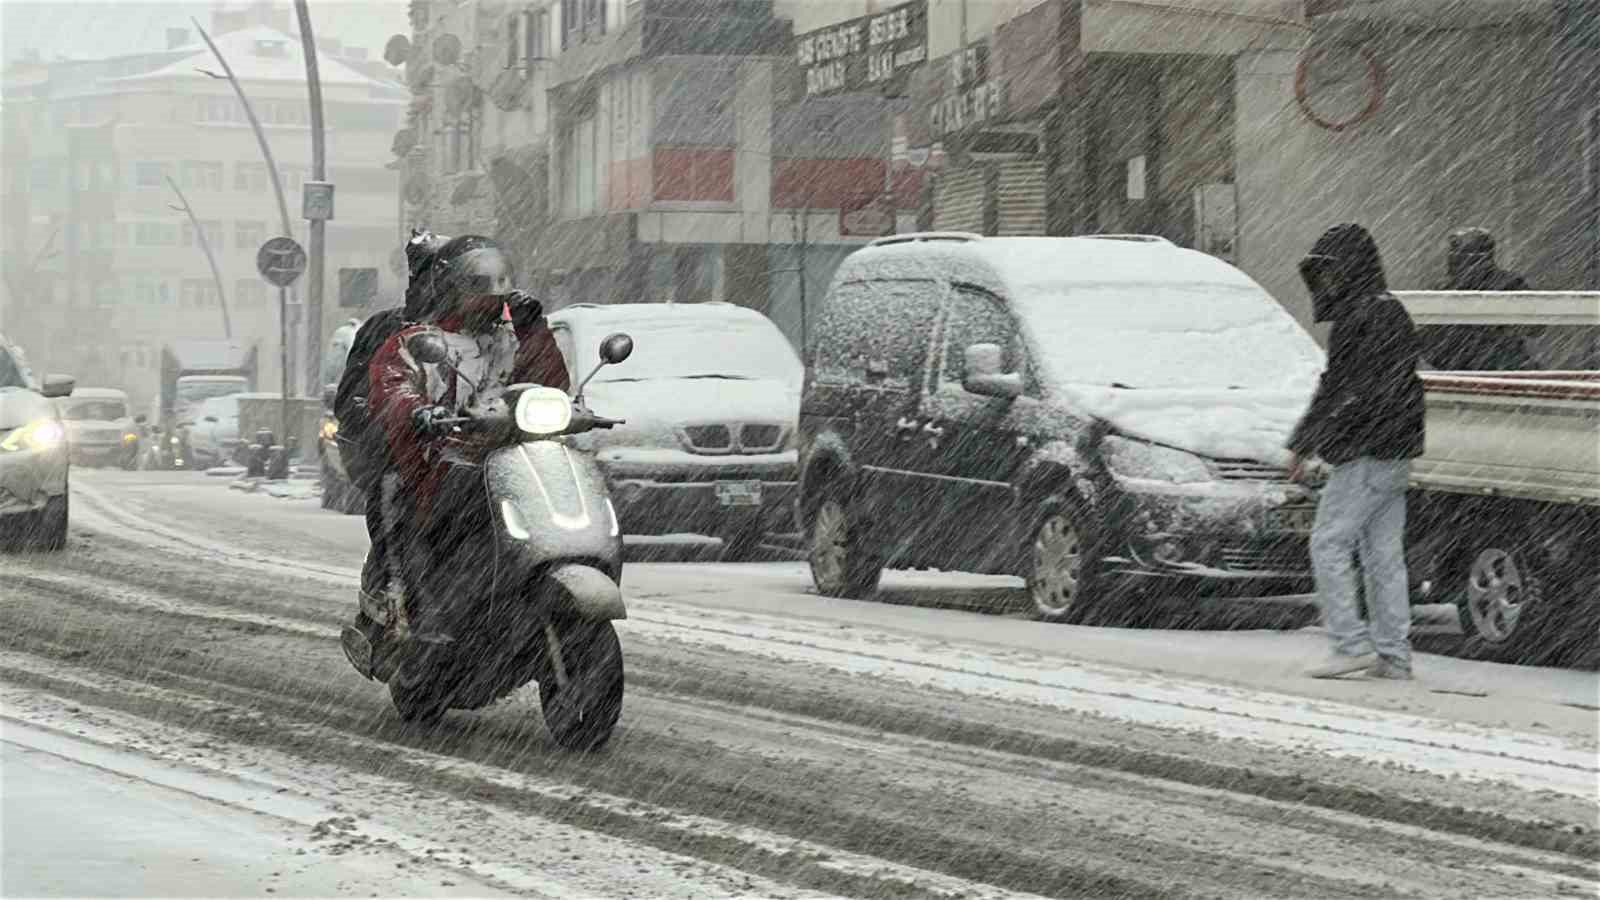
x=760, y=438
x=709, y=438
x=1249, y=470
x=746, y=439
x=1268, y=556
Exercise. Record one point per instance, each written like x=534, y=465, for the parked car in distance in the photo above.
x=34, y=463
x=1093, y=414
x=99, y=430
x=710, y=395
x=213, y=432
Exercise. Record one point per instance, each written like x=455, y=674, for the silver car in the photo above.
x=33, y=455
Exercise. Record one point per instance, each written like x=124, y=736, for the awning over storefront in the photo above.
x=1200, y=27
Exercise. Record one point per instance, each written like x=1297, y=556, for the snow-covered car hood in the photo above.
x=656, y=408
x=19, y=406
x=1222, y=424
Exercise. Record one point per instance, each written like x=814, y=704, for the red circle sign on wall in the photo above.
x=1376, y=84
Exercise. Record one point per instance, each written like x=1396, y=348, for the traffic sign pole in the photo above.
x=280, y=261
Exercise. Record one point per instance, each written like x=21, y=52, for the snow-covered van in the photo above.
x=710, y=395
x=1094, y=414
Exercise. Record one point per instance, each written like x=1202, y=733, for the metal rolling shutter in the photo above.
x=958, y=206
x=1021, y=201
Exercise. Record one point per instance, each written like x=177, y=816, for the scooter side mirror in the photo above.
x=428, y=348
x=615, y=348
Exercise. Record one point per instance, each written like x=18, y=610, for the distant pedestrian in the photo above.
x=1366, y=420
x=1472, y=266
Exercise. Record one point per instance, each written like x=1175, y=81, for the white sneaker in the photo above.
x=1339, y=664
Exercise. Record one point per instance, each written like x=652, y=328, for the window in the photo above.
x=250, y=177
x=155, y=234
x=212, y=230
x=977, y=317
x=204, y=176
x=885, y=325
x=151, y=174
x=292, y=177
x=364, y=181
x=535, y=35
x=513, y=40
x=250, y=292
x=249, y=235
x=219, y=109
x=197, y=293
x=108, y=294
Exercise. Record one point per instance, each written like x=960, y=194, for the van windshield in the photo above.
x=95, y=411
x=193, y=392
x=740, y=349
x=1168, y=335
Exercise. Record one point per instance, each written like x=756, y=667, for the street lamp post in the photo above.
x=277, y=186
x=205, y=247
x=318, y=213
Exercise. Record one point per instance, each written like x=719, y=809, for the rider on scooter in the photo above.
x=496, y=337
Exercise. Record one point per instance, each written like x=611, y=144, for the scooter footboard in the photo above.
x=590, y=594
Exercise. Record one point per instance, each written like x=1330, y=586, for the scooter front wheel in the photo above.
x=582, y=713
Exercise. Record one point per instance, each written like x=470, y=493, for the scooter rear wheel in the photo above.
x=416, y=695
x=582, y=715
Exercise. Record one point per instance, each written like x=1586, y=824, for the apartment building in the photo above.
x=103, y=265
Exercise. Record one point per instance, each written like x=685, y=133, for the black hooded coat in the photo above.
x=1369, y=399
x=1498, y=348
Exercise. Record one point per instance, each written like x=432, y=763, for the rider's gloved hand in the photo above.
x=525, y=309
x=427, y=421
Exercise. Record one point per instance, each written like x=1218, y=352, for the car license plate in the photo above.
x=1292, y=518
x=739, y=493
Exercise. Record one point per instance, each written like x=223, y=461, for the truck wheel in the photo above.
x=582, y=714
x=1501, y=604
x=841, y=564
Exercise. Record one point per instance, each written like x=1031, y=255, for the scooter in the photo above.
x=532, y=592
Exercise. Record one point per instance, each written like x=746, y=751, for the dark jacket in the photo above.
x=363, y=447
x=1369, y=399
x=1478, y=348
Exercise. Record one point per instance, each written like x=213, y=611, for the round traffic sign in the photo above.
x=280, y=261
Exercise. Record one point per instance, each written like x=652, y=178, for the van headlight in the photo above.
x=39, y=435
x=1152, y=462
x=544, y=410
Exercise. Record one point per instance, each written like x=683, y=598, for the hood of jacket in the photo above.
x=1350, y=269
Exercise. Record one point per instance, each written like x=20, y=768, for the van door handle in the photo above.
x=933, y=431
x=905, y=426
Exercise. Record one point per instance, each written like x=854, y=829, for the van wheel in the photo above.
x=1060, y=565
x=1501, y=604
x=840, y=565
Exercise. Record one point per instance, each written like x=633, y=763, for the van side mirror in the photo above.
x=983, y=375
x=58, y=385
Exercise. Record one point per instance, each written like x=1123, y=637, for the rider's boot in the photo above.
x=372, y=616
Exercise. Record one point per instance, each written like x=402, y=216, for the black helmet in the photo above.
x=470, y=275
x=421, y=249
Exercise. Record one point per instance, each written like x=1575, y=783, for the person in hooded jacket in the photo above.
x=1475, y=348
x=363, y=447
x=1366, y=421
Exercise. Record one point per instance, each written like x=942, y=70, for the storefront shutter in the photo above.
x=958, y=204
x=1021, y=201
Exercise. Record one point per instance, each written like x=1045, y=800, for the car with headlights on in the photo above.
x=34, y=460
x=1104, y=417
x=99, y=430
x=710, y=396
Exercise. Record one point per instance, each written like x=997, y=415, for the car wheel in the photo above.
x=1060, y=567
x=841, y=566
x=47, y=530
x=1501, y=604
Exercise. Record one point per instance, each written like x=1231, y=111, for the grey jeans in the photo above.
x=1362, y=510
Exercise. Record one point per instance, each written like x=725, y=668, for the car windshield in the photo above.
x=95, y=410
x=1168, y=335
x=744, y=349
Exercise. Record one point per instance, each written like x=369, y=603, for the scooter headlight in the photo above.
x=39, y=435
x=544, y=410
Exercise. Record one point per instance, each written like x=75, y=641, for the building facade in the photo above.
x=104, y=267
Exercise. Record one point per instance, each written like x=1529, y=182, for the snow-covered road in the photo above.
x=775, y=743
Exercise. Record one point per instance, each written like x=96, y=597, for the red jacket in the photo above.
x=399, y=389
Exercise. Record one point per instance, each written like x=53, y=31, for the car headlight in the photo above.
x=130, y=438
x=330, y=430
x=544, y=410
x=43, y=434
x=1152, y=462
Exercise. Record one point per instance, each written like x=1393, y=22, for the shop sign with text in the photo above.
x=869, y=53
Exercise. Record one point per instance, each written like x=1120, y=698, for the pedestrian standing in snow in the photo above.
x=1366, y=421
